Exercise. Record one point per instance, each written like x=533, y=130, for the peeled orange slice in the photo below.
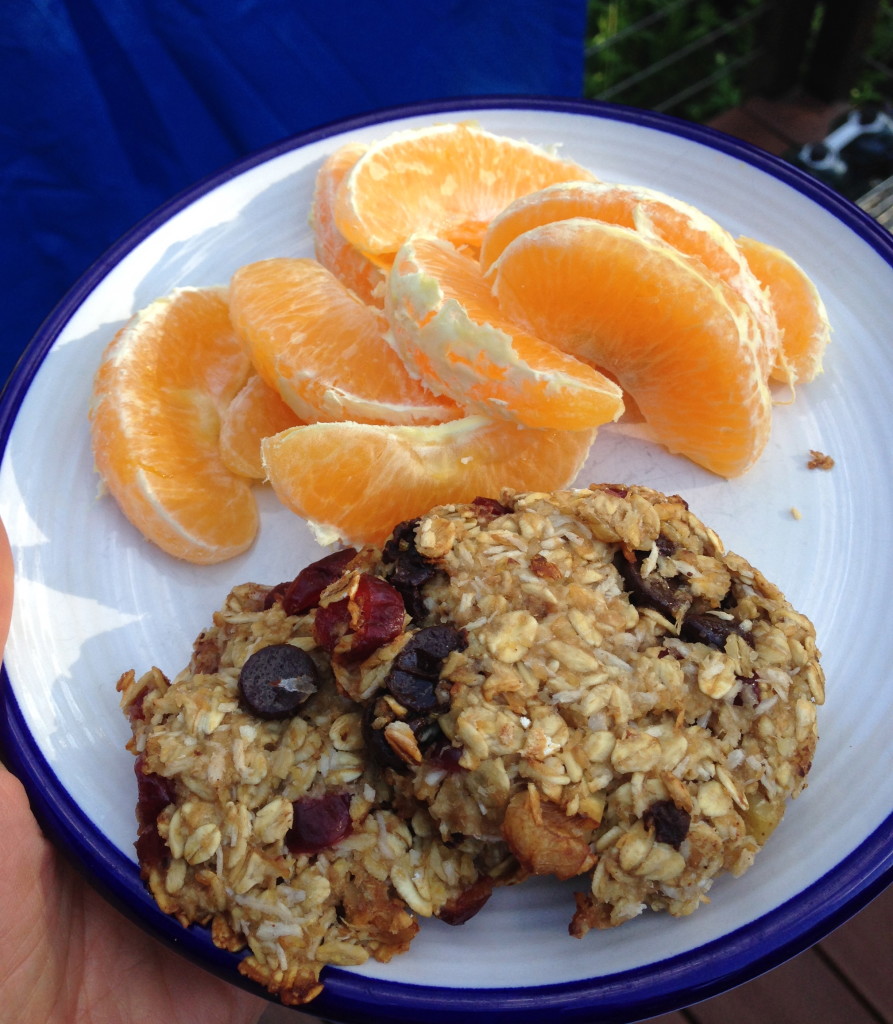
x=799, y=309
x=448, y=180
x=449, y=330
x=683, y=344
x=256, y=412
x=653, y=214
x=331, y=248
x=356, y=482
x=161, y=389
x=322, y=349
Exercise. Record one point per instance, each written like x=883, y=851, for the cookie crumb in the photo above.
x=819, y=460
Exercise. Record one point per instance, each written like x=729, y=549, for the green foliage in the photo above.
x=696, y=58
x=875, y=83
x=686, y=57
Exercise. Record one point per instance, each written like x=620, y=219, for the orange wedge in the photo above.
x=682, y=343
x=448, y=180
x=799, y=309
x=451, y=333
x=331, y=248
x=356, y=482
x=322, y=349
x=256, y=412
x=653, y=214
x=161, y=389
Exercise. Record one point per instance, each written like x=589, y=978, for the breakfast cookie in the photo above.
x=259, y=814
x=590, y=678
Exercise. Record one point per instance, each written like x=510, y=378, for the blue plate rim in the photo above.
x=627, y=996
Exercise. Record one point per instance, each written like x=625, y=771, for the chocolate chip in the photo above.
x=411, y=571
x=651, y=591
x=415, y=692
x=276, y=680
x=424, y=726
x=416, y=669
x=708, y=629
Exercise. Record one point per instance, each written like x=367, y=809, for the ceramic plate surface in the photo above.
x=94, y=599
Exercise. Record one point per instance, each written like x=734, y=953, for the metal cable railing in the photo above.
x=660, y=57
x=695, y=58
x=702, y=43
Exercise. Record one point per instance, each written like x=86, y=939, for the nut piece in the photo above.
x=545, y=840
x=402, y=741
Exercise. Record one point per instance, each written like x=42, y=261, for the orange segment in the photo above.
x=324, y=351
x=256, y=412
x=331, y=248
x=653, y=214
x=356, y=482
x=799, y=309
x=682, y=344
x=158, y=396
x=451, y=333
x=448, y=180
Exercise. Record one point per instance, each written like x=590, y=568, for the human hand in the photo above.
x=66, y=956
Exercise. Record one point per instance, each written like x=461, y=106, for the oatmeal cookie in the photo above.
x=591, y=678
x=260, y=817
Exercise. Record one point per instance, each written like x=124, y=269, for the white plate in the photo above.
x=94, y=599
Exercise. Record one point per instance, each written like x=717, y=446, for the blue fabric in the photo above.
x=110, y=107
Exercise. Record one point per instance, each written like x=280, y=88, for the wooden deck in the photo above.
x=780, y=125
x=846, y=979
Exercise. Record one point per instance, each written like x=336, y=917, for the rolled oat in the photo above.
x=221, y=793
x=622, y=675
x=582, y=684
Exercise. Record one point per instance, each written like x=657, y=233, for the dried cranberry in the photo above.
x=136, y=712
x=464, y=906
x=670, y=652
x=154, y=793
x=670, y=823
x=355, y=626
x=151, y=851
x=318, y=823
x=490, y=508
x=276, y=680
x=303, y=592
x=445, y=757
